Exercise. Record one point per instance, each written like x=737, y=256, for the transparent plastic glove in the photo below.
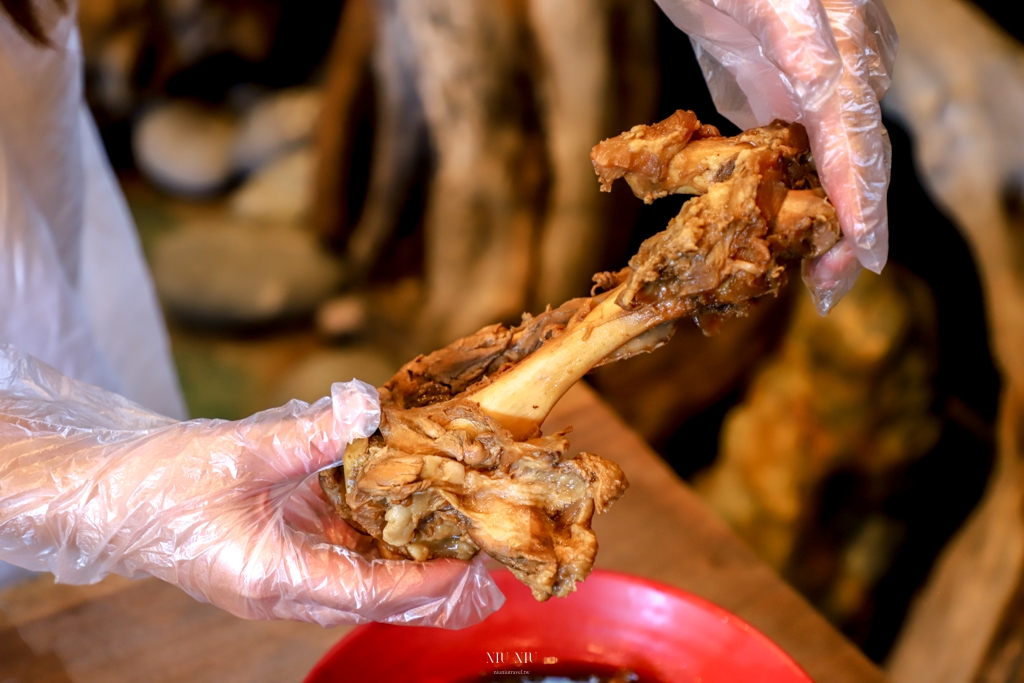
x=826, y=64
x=68, y=245
x=92, y=484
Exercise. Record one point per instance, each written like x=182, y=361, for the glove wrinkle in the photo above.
x=92, y=484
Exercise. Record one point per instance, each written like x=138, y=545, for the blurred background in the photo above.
x=324, y=190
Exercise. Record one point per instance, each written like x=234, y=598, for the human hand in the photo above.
x=826, y=64
x=91, y=484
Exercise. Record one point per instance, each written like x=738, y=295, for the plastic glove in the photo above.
x=92, y=484
x=826, y=64
x=64, y=224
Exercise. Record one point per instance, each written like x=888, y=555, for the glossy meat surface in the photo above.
x=450, y=472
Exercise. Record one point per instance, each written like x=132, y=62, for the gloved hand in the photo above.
x=92, y=484
x=826, y=64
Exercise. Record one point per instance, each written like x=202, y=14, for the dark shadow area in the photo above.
x=936, y=493
x=930, y=498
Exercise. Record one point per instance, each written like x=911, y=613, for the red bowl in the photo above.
x=613, y=621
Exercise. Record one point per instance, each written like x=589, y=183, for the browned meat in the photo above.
x=460, y=465
x=644, y=152
x=680, y=156
x=446, y=480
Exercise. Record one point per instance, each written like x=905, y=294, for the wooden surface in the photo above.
x=120, y=630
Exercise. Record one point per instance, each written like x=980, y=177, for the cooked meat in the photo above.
x=459, y=464
x=448, y=372
x=761, y=208
x=680, y=156
x=645, y=152
x=446, y=480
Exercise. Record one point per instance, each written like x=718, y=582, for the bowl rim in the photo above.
x=501, y=574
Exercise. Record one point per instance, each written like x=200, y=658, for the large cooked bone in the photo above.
x=800, y=223
x=522, y=398
x=460, y=465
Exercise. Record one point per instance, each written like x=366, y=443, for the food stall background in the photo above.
x=324, y=190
